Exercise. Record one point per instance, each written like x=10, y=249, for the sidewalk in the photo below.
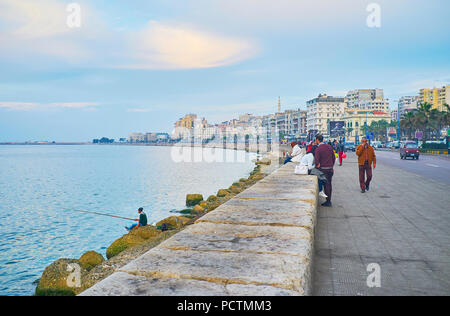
x=402, y=224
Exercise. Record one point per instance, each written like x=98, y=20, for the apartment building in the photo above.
x=407, y=104
x=437, y=97
x=322, y=110
x=369, y=99
x=289, y=122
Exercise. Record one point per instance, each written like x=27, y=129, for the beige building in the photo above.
x=356, y=118
x=187, y=121
x=407, y=104
x=370, y=99
x=136, y=138
x=322, y=110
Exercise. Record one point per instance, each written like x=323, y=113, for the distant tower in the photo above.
x=279, y=105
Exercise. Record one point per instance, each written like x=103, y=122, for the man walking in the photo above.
x=340, y=150
x=324, y=160
x=366, y=157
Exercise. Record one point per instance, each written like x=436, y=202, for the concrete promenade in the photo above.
x=258, y=243
x=402, y=224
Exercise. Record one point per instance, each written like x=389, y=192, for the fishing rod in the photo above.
x=102, y=214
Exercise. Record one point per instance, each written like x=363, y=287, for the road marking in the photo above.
x=431, y=165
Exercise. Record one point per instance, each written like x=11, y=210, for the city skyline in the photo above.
x=132, y=67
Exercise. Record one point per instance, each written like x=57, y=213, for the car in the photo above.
x=350, y=146
x=376, y=144
x=409, y=149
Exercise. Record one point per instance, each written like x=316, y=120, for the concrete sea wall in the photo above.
x=259, y=242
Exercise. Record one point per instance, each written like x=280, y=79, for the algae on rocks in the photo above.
x=91, y=259
x=64, y=277
x=193, y=199
x=135, y=237
x=174, y=222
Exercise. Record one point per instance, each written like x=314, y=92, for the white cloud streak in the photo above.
x=28, y=106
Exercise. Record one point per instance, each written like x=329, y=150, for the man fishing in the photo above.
x=142, y=221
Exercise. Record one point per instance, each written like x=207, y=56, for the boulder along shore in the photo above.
x=68, y=277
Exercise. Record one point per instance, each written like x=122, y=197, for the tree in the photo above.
x=408, y=123
x=425, y=118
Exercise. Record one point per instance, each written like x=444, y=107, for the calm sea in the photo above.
x=40, y=186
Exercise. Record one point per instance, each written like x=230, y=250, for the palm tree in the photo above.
x=408, y=123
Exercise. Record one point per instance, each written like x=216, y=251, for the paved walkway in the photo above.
x=402, y=224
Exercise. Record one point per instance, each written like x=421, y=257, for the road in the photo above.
x=401, y=225
x=432, y=167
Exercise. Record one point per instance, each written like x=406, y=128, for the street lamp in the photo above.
x=398, y=121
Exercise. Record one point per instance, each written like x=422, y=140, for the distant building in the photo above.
x=151, y=137
x=162, y=137
x=407, y=104
x=322, y=110
x=245, y=117
x=187, y=121
x=370, y=99
x=437, y=97
x=136, y=138
x=394, y=115
x=289, y=123
x=355, y=120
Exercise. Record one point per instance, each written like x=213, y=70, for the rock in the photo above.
x=91, y=259
x=264, y=161
x=257, y=177
x=235, y=189
x=193, y=199
x=197, y=209
x=186, y=211
x=203, y=204
x=213, y=205
x=146, y=232
x=174, y=222
x=212, y=198
x=135, y=237
x=222, y=193
x=123, y=243
x=64, y=277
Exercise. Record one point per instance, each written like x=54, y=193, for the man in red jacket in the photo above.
x=324, y=160
x=366, y=158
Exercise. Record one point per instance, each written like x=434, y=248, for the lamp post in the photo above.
x=398, y=121
x=365, y=125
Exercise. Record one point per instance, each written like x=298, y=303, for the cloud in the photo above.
x=18, y=106
x=27, y=106
x=38, y=28
x=165, y=46
x=76, y=105
x=139, y=110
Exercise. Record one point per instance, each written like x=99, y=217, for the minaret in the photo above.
x=279, y=105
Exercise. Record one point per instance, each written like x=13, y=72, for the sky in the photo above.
x=138, y=66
